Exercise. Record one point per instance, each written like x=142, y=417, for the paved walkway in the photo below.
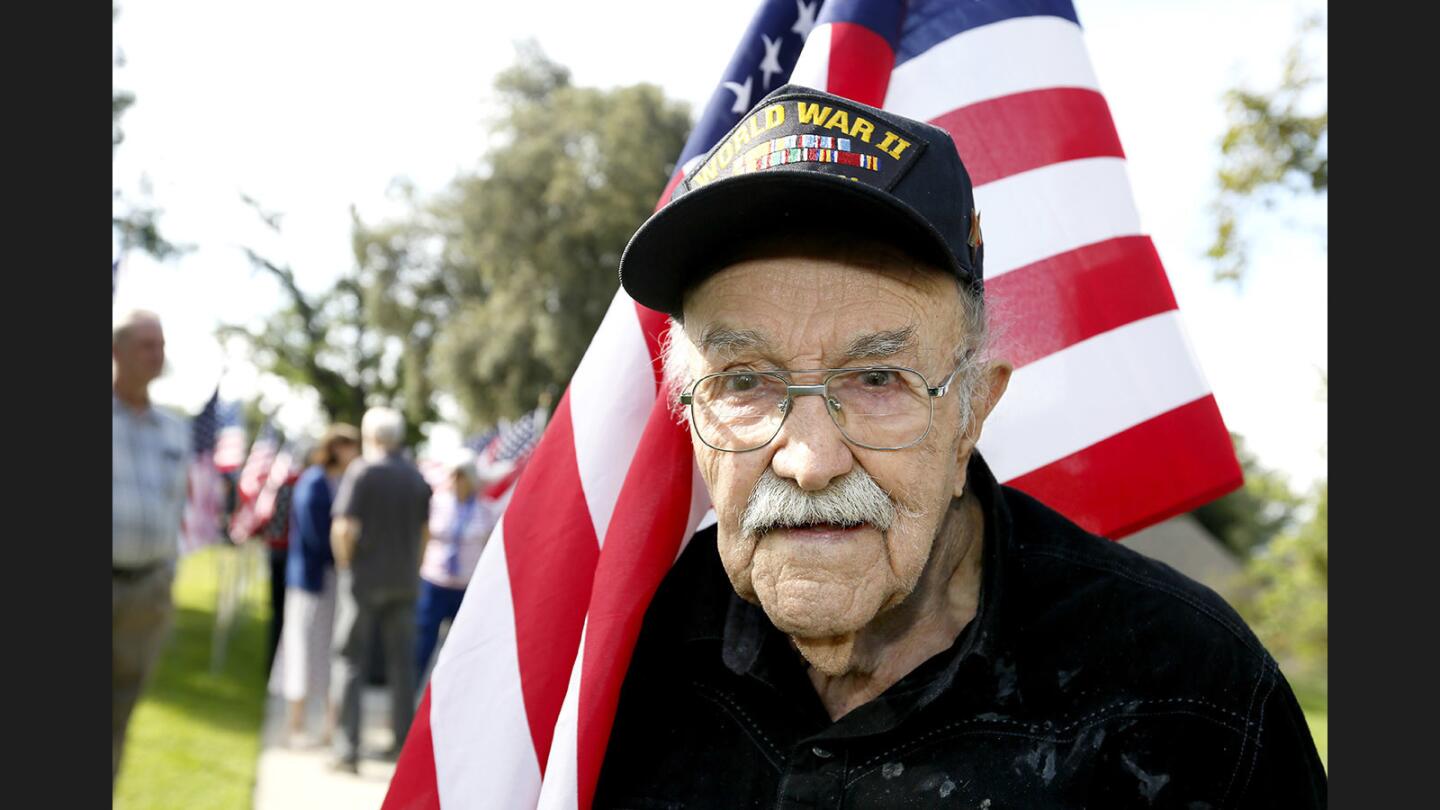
x=301, y=779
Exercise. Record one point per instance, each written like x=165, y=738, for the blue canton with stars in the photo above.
x=763, y=62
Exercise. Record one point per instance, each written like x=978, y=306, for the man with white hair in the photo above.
x=149, y=450
x=874, y=621
x=380, y=512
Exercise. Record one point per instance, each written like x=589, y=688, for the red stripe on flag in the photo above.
x=1149, y=473
x=669, y=188
x=860, y=64
x=1043, y=307
x=414, y=785
x=551, y=572
x=641, y=543
x=1024, y=131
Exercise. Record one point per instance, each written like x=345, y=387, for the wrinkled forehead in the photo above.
x=840, y=299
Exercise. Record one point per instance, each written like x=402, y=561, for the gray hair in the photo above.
x=676, y=350
x=385, y=427
x=126, y=323
x=853, y=499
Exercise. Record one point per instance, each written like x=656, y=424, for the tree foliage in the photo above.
x=499, y=283
x=1274, y=147
x=1288, y=596
x=324, y=342
x=135, y=224
x=491, y=290
x=1251, y=516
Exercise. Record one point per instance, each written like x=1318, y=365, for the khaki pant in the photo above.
x=140, y=614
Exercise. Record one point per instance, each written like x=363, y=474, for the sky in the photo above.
x=313, y=107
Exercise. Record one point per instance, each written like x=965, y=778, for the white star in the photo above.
x=771, y=63
x=806, y=20
x=742, y=94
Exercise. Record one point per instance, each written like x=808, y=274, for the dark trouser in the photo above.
x=278, y=560
x=140, y=614
x=437, y=604
x=357, y=618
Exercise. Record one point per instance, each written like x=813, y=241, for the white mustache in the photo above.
x=851, y=500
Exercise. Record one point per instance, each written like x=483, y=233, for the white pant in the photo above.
x=305, y=640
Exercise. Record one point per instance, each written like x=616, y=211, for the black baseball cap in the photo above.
x=804, y=157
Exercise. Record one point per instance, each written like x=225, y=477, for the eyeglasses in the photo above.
x=877, y=407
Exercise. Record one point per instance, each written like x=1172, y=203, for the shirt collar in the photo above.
x=119, y=408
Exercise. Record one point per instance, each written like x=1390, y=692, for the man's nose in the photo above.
x=811, y=452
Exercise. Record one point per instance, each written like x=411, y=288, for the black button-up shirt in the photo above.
x=1090, y=677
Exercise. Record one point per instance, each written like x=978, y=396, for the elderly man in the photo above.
x=874, y=621
x=380, y=512
x=149, y=449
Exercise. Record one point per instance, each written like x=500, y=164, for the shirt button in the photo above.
x=821, y=752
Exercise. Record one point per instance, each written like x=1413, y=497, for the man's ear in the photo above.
x=994, y=379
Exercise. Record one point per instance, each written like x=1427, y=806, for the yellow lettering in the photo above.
x=774, y=116
x=862, y=129
x=743, y=134
x=705, y=175
x=812, y=113
x=727, y=151
x=893, y=151
x=840, y=120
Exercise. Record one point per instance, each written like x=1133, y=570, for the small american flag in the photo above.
x=205, y=499
x=245, y=523
x=482, y=440
x=509, y=451
x=230, y=442
x=515, y=440
x=272, y=504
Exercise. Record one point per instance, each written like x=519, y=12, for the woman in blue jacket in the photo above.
x=310, y=581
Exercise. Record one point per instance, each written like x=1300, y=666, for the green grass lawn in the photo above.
x=1319, y=720
x=195, y=735
x=1314, y=698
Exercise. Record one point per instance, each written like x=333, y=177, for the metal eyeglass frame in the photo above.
x=819, y=390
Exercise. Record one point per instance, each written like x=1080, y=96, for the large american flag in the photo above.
x=1107, y=419
x=205, y=497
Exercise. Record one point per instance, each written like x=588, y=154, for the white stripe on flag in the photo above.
x=610, y=399
x=812, y=69
x=1091, y=391
x=484, y=756
x=1011, y=56
x=560, y=789
x=1037, y=214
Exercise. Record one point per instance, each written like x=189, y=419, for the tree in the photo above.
x=514, y=265
x=1275, y=147
x=1251, y=516
x=136, y=224
x=408, y=288
x=324, y=343
x=1288, y=601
